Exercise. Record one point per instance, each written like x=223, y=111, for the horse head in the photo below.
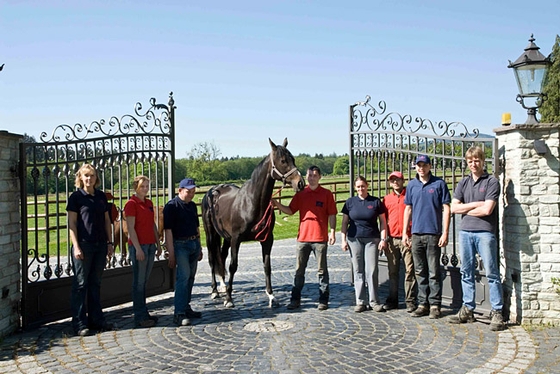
x=283, y=166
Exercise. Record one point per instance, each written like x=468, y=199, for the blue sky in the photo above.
x=244, y=71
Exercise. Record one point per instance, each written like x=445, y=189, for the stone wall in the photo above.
x=10, y=233
x=530, y=222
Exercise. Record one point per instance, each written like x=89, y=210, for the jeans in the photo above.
x=87, y=284
x=186, y=257
x=396, y=251
x=140, y=274
x=303, y=250
x=364, y=253
x=426, y=254
x=484, y=243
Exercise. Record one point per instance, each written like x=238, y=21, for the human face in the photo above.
x=475, y=165
x=143, y=189
x=187, y=194
x=397, y=184
x=361, y=188
x=88, y=179
x=423, y=169
x=313, y=178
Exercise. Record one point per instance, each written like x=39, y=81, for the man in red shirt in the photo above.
x=394, y=205
x=317, y=211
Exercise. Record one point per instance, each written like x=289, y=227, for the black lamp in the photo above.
x=530, y=71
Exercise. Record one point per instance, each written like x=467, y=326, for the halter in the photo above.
x=283, y=177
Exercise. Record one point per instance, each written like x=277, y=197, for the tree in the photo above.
x=550, y=110
x=203, y=164
x=341, y=166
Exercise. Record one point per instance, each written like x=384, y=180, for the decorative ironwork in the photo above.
x=377, y=120
x=125, y=125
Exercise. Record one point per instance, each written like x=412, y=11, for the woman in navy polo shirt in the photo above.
x=364, y=238
x=90, y=232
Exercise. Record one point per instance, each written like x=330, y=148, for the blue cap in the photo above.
x=423, y=158
x=187, y=183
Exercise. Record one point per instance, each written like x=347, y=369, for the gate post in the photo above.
x=530, y=221
x=10, y=233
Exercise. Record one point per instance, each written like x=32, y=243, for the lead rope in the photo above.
x=262, y=227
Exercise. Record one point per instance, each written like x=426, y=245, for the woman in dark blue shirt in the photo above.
x=364, y=238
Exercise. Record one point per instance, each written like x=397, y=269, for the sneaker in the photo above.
x=410, y=307
x=323, y=306
x=497, y=320
x=463, y=316
x=294, y=304
x=83, y=332
x=360, y=308
x=390, y=306
x=435, y=312
x=146, y=323
x=377, y=307
x=421, y=311
x=192, y=314
x=181, y=320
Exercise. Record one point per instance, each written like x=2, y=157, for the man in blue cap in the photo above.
x=427, y=203
x=182, y=239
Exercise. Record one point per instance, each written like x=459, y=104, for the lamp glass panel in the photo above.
x=530, y=78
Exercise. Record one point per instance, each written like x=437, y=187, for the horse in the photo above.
x=237, y=214
x=120, y=234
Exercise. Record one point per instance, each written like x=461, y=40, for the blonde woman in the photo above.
x=142, y=244
x=90, y=232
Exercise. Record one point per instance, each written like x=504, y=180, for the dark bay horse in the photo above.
x=237, y=214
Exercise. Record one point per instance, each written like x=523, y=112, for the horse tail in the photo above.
x=213, y=238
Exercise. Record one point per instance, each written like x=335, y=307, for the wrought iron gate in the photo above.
x=382, y=141
x=120, y=149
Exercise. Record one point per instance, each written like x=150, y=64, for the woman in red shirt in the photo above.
x=142, y=243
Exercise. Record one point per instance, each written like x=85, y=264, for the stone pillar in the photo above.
x=10, y=233
x=530, y=222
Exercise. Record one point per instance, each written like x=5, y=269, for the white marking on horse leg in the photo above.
x=222, y=286
x=272, y=302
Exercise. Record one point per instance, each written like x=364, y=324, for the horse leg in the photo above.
x=212, y=242
x=266, y=250
x=224, y=253
x=228, y=303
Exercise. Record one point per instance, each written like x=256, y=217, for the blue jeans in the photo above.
x=303, y=250
x=86, y=285
x=426, y=255
x=141, y=271
x=364, y=253
x=484, y=243
x=186, y=257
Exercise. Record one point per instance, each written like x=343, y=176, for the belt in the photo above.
x=186, y=238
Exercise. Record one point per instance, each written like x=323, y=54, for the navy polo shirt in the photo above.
x=487, y=187
x=363, y=216
x=91, y=211
x=181, y=218
x=427, y=202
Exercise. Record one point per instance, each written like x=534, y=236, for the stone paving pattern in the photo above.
x=253, y=338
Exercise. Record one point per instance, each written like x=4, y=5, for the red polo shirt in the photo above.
x=315, y=207
x=394, y=206
x=144, y=224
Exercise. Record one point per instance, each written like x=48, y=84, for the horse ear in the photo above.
x=285, y=144
x=272, y=145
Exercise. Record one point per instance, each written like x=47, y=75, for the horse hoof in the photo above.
x=214, y=295
x=273, y=303
x=228, y=304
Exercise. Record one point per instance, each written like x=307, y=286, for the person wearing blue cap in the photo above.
x=182, y=239
x=428, y=204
